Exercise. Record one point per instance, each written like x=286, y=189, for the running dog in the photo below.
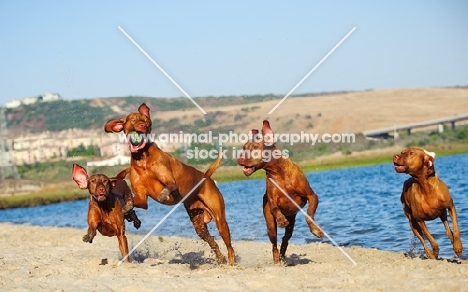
x=159, y=175
x=285, y=183
x=425, y=197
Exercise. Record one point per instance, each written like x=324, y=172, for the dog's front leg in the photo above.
x=313, y=203
x=140, y=186
x=279, y=216
x=431, y=239
x=272, y=195
x=123, y=246
x=271, y=229
x=140, y=199
x=88, y=237
x=287, y=235
x=455, y=236
x=416, y=228
x=165, y=194
x=165, y=177
x=444, y=220
x=94, y=221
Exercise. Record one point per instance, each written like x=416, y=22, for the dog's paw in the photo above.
x=164, y=196
x=458, y=248
x=317, y=232
x=282, y=221
x=314, y=229
x=131, y=216
x=127, y=208
x=137, y=223
x=88, y=238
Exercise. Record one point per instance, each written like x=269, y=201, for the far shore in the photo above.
x=67, y=190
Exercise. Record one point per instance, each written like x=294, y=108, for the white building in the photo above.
x=12, y=104
x=116, y=160
x=30, y=99
x=50, y=97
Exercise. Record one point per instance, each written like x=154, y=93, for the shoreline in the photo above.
x=52, y=258
x=225, y=174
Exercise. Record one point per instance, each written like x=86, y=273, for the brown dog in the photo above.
x=278, y=210
x=105, y=212
x=425, y=197
x=157, y=174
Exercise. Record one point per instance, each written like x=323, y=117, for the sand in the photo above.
x=37, y=258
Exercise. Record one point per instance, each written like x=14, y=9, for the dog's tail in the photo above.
x=215, y=165
x=122, y=174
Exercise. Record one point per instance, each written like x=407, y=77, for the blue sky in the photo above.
x=228, y=48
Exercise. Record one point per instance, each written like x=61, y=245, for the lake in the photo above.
x=358, y=206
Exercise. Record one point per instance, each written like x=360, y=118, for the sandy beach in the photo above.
x=55, y=259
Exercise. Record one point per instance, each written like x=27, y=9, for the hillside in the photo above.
x=351, y=112
x=348, y=112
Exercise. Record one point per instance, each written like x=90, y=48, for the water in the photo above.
x=358, y=206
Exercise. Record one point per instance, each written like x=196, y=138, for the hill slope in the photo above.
x=351, y=112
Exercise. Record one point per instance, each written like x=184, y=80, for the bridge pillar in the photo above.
x=453, y=124
x=408, y=131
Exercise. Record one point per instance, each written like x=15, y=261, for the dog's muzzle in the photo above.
x=136, y=141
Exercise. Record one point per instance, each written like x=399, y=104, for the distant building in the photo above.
x=50, y=97
x=30, y=100
x=116, y=160
x=12, y=104
x=46, y=97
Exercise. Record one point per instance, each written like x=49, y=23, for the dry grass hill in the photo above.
x=352, y=112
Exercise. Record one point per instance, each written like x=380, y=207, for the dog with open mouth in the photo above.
x=106, y=211
x=261, y=153
x=159, y=175
x=425, y=197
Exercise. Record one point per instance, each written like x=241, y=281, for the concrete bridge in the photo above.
x=384, y=133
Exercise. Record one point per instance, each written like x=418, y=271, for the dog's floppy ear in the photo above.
x=144, y=109
x=114, y=126
x=113, y=182
x=431, y=154
x=254, y=135
x=267, y=133
x=429, y=158
x=429, y=162
x=80, y=176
